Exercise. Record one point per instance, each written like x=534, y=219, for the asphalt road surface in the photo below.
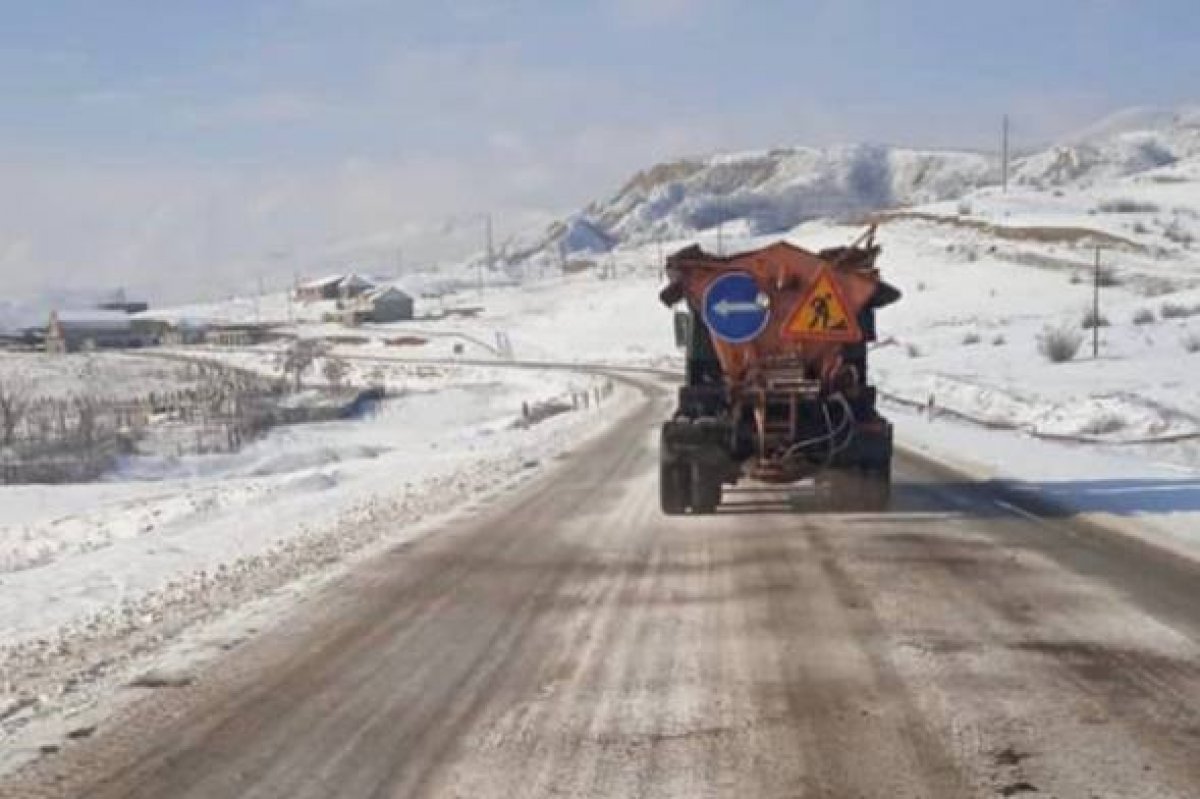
x=570, y=641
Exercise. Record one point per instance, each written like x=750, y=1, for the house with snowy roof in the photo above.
x=75, y=331
x=334, y=287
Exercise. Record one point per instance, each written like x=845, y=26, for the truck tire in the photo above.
x=860, y=490
x=673, y=488
x=877, y=487
x=706, y=490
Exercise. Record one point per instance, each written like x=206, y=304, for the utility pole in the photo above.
x=1096, y=308
x=258, y=300
x=489, y=263
x=721, y=238
x=291, y=295
x=1004, y=154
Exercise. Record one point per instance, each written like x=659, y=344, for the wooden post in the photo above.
x=1096, y=308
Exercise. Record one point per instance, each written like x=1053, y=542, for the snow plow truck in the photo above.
x=776, y=384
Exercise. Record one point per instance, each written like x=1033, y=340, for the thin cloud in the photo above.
x=266, y=109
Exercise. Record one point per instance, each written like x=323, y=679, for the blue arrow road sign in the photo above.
x=735, y=309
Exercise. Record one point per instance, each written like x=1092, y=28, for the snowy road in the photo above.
x=571, y=641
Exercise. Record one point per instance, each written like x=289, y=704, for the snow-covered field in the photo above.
x=108, y=375
x=94, y=578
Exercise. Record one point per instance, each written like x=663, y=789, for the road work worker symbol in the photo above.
x=823, y=314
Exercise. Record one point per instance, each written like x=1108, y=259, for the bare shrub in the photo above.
x=1125, y=205
x=999, y=340
x=14, y=402
x=87, y=411
x=913, y=351
x=1174, y=310
x=1191, y=342
x=1076, y=279
x=1176, y=233
x=1107, y=277
x=377, y=377
x=1103, y=424
x=971, y=339
x=1059, y=344
x=1157, y=286
x=298, y=358
x=335, y=371
x=1092, y=319
x=1144, y=316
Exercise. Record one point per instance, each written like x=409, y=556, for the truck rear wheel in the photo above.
x=863, y=489
x=876, y=490
x=673, y=488
x=706, y=490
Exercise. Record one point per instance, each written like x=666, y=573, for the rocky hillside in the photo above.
x=760, y=193
x=1127, y=143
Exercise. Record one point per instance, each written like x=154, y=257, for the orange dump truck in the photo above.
x=776, y=384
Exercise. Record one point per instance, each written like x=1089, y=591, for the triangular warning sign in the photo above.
x=823, y=314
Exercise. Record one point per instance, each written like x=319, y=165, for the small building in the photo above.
x=184, y=332
x=353, y=286
x=334, y=287
x=325, y=288
x=238, y=335
x=381, y=305
x=75, y=331
x=152, y=329
x=389, y=304
x=169, y=331
x=19, y=341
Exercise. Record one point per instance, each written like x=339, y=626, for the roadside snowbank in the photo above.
x=1129, y=487
x=96, y=577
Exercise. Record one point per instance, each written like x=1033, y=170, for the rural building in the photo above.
x=333, y=287
x=238, y=335
x=172, y=332
x=23, y=341
x=353, y=286
x=325, y=288
x=381, y=305
x=184, y=332
x=388, y=304
x=74, y=331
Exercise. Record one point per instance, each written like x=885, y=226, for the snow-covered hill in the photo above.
x=1127, y=143
x=757, y=193
x=771, y=192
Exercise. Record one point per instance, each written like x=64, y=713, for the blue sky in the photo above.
x=204, y=139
